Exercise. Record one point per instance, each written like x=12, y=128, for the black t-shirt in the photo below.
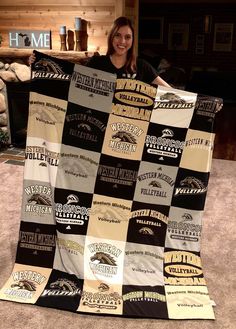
x=145, y=72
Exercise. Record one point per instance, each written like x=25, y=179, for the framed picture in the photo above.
x=178, y=36
x=223, y=36
x=200, y=44
x=151, y=30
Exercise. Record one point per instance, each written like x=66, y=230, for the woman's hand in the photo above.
x=31, y=59
x=160, y=82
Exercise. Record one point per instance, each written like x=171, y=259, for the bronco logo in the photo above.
x=167, y=133
x=146, y=231
x=172, y=98
x=72, y=199
x=24, y=284
x=103, y=258
x=84, y=126
x=63, y=284
x=154, y=183
x=190, y=185
x=192, y=182
x=40, y=199
x=187, y=217
x=124, y=136
x=103, y=287
x=47, y=65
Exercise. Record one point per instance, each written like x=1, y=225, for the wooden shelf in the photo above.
x=73, y=56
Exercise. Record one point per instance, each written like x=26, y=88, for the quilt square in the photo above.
x=144, y=301
x=190, y=189
x=116, y=177
x=36, y=244
x=124, y=137
x=69, y=254
x=41, y=160
x=188, y=302
x=155, y=183
x=46, y=69
x=147, y=224
x=184, y=229
x=173, y=107
x=198, y=150
x=110, y=215
x=63, y=291
x=143, y=263
x=133, y=99
x=104, y=260
x=84, y=128
x=25, y=284
x=92, y=88
x=183, y=268
x=206, y=109
x=37, y=202
x=77, y=169
x=46, y=117
x=101, y=297
x=72, y=210
x=164, y=144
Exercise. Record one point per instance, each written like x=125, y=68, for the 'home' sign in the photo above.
x=30, y=39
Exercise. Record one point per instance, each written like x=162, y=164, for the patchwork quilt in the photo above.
x=115, y=182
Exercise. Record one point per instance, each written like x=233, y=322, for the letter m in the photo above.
x=37, y=43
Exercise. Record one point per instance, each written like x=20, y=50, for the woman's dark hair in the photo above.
x=130, y=65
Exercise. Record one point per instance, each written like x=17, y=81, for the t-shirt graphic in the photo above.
x=173, y=107
x=139, y=300
x=116, y=177
x=155, y=183
x=84, y=128
x=124, y=137
x=37, y=202
x=72, y=211
x=62, y=291
x=164, y=144
x=36, y=245
x=77, y=169
x=190, y=189
x=147, y=224
x=92, y=88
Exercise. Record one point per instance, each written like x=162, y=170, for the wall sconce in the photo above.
x=207, y=23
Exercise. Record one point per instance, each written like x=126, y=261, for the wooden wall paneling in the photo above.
x=132, y=11
x=119, y=8
x=58, y=2
x=50, y=15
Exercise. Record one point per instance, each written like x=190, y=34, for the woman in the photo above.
x=120, y=57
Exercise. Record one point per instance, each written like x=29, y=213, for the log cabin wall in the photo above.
x=50, y=15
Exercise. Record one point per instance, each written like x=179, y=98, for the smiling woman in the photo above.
x=121, y=59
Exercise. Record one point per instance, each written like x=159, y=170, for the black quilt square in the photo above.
x=36, y=244
x=164, y=144
x=84, y=127
x=190, y=189
x=63, y=291
x=144, y=301
x=72, y=211
x=148, y=224
x=116, y=177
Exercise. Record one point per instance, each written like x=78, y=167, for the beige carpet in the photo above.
x=218, y=257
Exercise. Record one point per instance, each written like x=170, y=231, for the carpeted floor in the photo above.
x=218, y=257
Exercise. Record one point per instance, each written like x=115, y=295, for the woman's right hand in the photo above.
x=31, y=59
